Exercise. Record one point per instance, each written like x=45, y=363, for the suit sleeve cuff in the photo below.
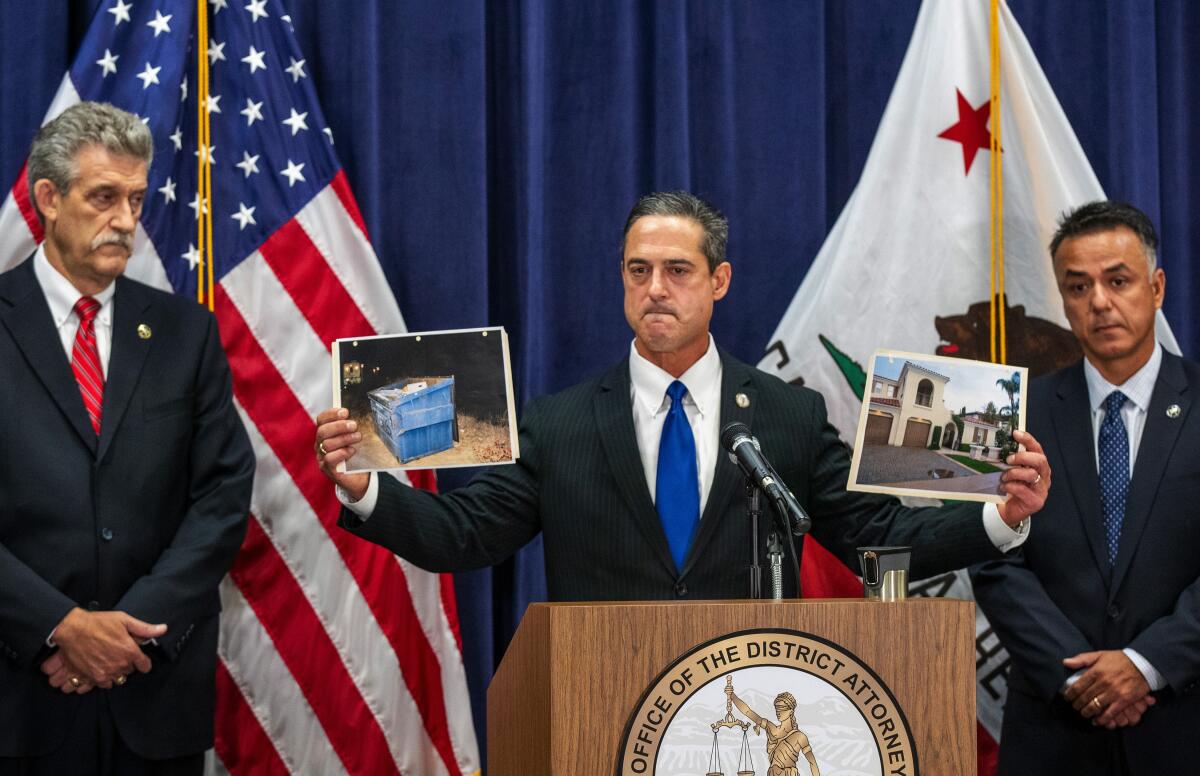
x=1149, y=672
x=1001, y=535
x=365, y=505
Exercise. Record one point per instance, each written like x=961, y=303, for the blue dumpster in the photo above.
x=415, y=417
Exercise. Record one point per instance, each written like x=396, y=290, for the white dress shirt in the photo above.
x=62, y=296
x=1137, y=389
x=648, y=385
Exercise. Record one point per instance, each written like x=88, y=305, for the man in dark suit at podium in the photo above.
x=1100, y=610
x=623, y=474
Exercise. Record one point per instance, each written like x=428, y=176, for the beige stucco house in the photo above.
x=905, y=411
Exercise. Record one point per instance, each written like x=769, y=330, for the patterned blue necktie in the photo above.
x=1114, y=471
x=677, y=486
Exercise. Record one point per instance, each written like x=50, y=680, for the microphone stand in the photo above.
x=754, y=511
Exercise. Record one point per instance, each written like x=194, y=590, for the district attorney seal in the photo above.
x=816, y=703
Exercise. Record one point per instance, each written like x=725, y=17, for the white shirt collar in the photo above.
x=702, y=379
x=1138, y=388
x=62, y=296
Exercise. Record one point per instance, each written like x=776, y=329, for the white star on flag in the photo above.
x=120, y=12
x=191, y=256
x=216, y=52
x=160, y=23
x=202, y=153
x=197, y=205
x=177, y=139
x=249, y=164
x=108, y=62
x=218, y=6
x=149, y=76
x=292, y=172
x=168, y=190
x=257, y=9
x=252, y=112
x=213, y=103
x=255, y=60
x=329, y=134
x=296, y=69
x=296, y=121
x=244, y=216
x=183, y=89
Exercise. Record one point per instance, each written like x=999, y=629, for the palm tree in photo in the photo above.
x=1012, y=387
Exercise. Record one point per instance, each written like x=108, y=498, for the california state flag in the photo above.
x=907, y=264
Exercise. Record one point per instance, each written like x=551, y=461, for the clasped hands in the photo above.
x=1111, y=691
x=98, y=649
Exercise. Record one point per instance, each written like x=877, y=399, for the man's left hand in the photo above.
x=1109, y=689
x=1027, y=483
x=61, y=671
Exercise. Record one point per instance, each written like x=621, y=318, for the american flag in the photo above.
x=335, y=655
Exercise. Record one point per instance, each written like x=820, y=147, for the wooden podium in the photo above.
x=575, y=673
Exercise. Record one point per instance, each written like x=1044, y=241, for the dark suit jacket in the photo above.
x=146, y=519
x=580, y=482
x=1056, y=596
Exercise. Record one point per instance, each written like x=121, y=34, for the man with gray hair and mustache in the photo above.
x=125, y=478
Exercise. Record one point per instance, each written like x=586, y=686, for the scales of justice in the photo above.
x=785, y=742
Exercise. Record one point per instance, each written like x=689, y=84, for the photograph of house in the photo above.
x=936, y=426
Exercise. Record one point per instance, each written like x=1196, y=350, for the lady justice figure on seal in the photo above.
x=785, y=741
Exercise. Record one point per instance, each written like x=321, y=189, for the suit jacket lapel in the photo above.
x=28, y=319
x=131, y=307
x=727, y=479
x=1158, y=441
x=1072, y=421
x=614, y=421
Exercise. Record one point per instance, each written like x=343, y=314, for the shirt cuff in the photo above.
x=365, y=505
x=1002, y=536
x=1149, y=672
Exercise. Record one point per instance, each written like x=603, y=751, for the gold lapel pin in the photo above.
x=1173, y=411
x=144, y=331
x=742, y=400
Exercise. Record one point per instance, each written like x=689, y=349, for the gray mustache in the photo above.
x=122, y=239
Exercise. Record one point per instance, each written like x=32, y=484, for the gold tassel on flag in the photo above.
x=204, y=269
x=997, y=300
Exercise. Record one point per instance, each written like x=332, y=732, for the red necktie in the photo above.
x=85, y=360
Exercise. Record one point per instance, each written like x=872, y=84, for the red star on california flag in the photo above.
x=971, y=130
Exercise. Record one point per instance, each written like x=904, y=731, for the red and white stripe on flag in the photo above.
x=335, y=656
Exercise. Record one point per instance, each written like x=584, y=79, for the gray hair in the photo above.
x=686, y=205
x=58, y=143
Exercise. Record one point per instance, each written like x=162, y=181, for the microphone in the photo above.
x=743, y=450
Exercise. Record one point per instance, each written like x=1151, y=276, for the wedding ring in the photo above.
x=1096, y=702
x=1037, y=479
x=75, y=682
x=321, y=449
x=120, y=680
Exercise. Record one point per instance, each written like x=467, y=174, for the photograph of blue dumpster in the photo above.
x=415, y=417
x=427, y=400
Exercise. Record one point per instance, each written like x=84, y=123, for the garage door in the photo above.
x=916, y=433
x=879, y=428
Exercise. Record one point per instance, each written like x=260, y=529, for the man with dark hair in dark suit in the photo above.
x=125, y=478
x=622, y=474
x=1100, y=609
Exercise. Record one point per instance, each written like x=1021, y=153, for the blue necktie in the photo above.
x=1114, y=471
x=677, y=486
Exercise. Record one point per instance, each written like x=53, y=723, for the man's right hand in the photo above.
x=336, y=437
x=105, y=645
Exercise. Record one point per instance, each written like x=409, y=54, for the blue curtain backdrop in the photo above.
x=495, y=148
